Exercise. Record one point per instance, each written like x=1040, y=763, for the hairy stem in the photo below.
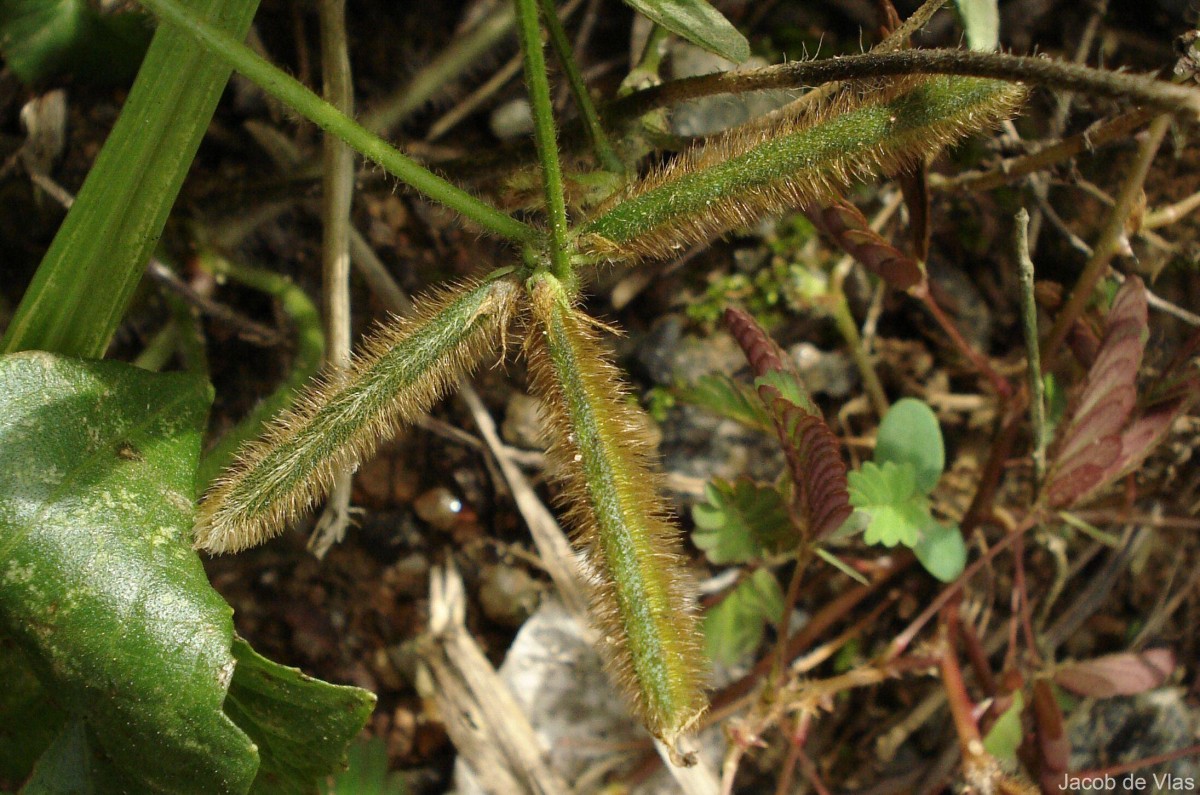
x=544, y=135
x=587, y=109
x=1026, y=69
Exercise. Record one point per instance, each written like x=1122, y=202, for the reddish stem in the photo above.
x=999, y=383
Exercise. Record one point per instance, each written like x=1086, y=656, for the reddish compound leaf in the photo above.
x=1123, y=674
x=1092, y=452
x=1051, y=750
x=761, y=351
x=842, y=222
x=821, y=499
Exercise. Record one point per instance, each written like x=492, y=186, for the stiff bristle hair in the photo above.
x=642, y=597
x=336, y=422
x=749, y=172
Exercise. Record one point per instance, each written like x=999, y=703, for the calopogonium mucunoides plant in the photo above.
x=642, y=598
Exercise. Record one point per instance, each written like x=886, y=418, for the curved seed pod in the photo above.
x=334, y=424
x=641, y=597
x=745, y=174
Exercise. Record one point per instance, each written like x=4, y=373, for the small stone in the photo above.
x=508, y=595
x=512, y=120
x=439, y=507
x=522, y=425
x=824, y=372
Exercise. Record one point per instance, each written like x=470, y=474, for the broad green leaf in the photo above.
x=889, y=496
x=29, y=718
x=1005, y=736
x=910, y=434
x=74, y=764
x=732, y=399
x=366, y=772
x=734, y=626
x=99, y=585
x=981, y=20
x=302, y=726
x=740, y=521
x=699, y=23
x=42, y=38
x=941, y=551
x=87, y=278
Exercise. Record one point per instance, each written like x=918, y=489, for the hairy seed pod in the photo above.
x=337, y=422
x=641, y=596
x=747, y=173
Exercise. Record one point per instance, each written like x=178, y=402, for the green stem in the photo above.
x=848, y=328
x=304, y=102
x=544, y=136
x=1033, y=359
x=591, y=119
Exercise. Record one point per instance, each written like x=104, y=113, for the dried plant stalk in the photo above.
x=641, y=597
x=795, y=161
x=338, y=421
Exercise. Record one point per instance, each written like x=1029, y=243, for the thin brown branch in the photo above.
x=1055, y=74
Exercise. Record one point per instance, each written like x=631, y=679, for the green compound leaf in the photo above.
x=740, y=521
x=942, y=551
x=889, y=496
x=732, y=399
x=302, y=726
x=910, y=434
x=734, y=626
x=99, y=586
x=699, y=23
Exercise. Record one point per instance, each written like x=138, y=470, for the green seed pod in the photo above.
x=748, y=173
x=641, y=596
x=337, y=422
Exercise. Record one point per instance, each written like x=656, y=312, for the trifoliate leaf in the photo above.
x=740, y=521
x=941, y=551
x=889, y=496
x=734, y=626
x=910, y=434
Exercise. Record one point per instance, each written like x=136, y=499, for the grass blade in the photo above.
x=87, y=278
